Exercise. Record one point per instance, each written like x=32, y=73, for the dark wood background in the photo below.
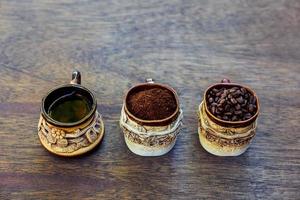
x=116, y=44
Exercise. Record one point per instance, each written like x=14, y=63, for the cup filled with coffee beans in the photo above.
x=151, y=118
x=69, y=123
x=227, y=118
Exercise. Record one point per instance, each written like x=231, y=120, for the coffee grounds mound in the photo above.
x=152, y=104
x=231, y=104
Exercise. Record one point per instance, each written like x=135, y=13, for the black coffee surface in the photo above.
x=69, y=108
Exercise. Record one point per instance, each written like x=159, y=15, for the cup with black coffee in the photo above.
x=228, y=118
x=69, y=123
x=151, y=119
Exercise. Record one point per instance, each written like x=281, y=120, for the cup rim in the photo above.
x=232, y=123
x=62, y=124
x=159, y=122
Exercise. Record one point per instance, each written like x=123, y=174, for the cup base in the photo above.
x=142, y=150
x=218, y=150
x=68, y=143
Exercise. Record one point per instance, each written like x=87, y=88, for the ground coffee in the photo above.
x=152, y=104
x=231, y=104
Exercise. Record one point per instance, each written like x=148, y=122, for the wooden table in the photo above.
x=116, y=44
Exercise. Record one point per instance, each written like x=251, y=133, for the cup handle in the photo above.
x=225, y=80
x=76, y=77
x=149, y=80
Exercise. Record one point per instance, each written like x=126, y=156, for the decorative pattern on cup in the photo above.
x=150, y=136
x=66, y=140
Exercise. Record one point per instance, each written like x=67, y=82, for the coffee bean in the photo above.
x=243, y=90
x=248, y=116
x=228, y=113
x=238, y=112
x=223, y=96
x=237, y=106
x=245, y=103
x=246, y=96
x=218, y=94
x=227, y=107
x=222, y=101
x=251, y=108
x=233, y=101
x=225, y=118
x=231, y=109
x=252, y=100
x=213, y=110
x=244, y=110
x=214, y=104
x=215, y=90
x=237, y=93
x=225, y=92
x=231, y=104
x=232, y=90
x=240, y=100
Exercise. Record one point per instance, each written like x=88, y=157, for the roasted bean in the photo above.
x=233, y=101
x=240, y=100
x=231, y=104
x=215, y=90
x=237, y=106
x=250, y=108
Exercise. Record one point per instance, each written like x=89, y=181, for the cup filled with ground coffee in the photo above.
x=151, y=118
x=69, y=123
x=227, y=118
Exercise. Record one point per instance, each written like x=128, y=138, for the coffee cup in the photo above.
x=230, y=134
x=70, y=124
x=150, y=136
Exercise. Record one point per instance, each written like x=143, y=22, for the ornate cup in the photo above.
x=150, y=137
x=225, y=138
x=70, y=139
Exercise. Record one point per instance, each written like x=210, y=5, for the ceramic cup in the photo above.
x=150, y=137
x=225, y=138
x=70, y=139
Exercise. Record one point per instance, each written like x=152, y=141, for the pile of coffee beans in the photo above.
x=231, y=104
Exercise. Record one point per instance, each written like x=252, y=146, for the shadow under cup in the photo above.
x=64, y=91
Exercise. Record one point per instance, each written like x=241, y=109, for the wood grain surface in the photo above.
x=189, y=45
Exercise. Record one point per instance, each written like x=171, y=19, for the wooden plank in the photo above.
x=116, y=44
